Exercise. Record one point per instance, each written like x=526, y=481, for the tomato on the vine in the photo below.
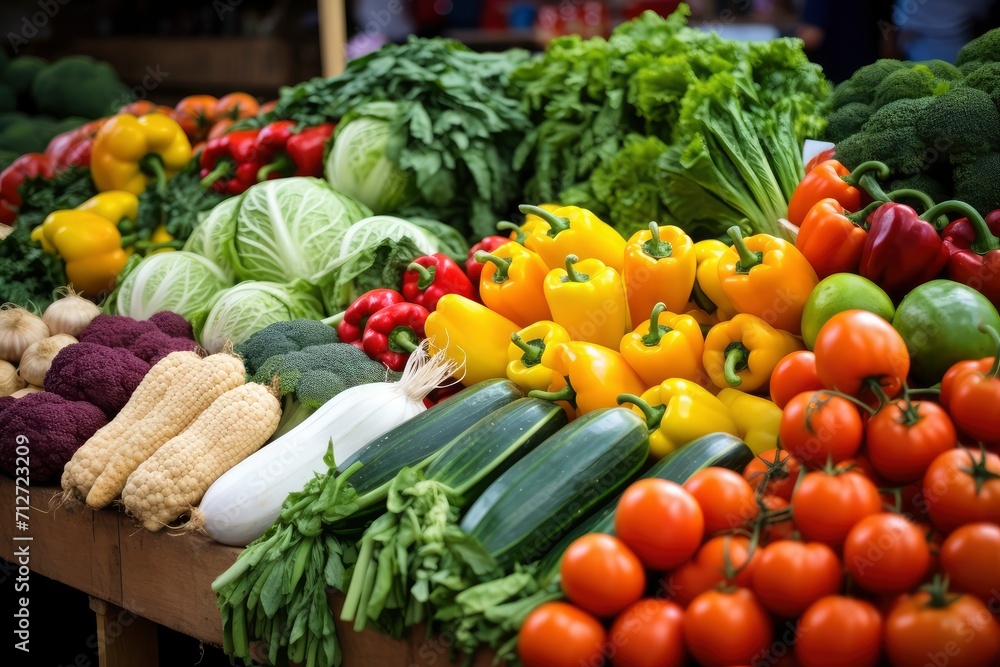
x=557, y=634
x=886, y=554
x=660, y=521
x=970, y=557
x=836, y=631
x=726, y=499
x=963, y=486
x=856, y=349
x=726, y=628
x=904, y=437
x=780, y=468
x=709, y=568
x=817, y=428
x=791, y=575
x=778, y=525
x=826, y=506
x=794, y=374
x=599, y=574
x=648, y=634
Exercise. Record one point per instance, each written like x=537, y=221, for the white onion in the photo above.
x=70, y=314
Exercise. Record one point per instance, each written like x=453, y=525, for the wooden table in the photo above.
x=137, y=579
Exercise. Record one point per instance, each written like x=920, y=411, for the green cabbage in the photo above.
x=248, y=307
x=215, y=232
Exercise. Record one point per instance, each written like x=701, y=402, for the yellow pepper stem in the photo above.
x=567, y=394
x=572, y=275
x=532, y=350
x=502, y=264
x=656, y=330
x=507, y=226
x=556, y=223
x=152, y=165
x=425, y=273
x=736, y=361
x=748, y=258
x=652, y=415
x=657, y=247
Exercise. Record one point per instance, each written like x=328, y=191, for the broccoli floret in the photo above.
x=21, y=72
x=900, y=148
x=983, y=49
x=282, y=338
x=978, y=183
x=862, y=84
x=104, y=376
x=903, y=84
x=901, y=113
x=78, y=86
x=923, y=182
x=961, y=124
x=115, y=330
x=172, y=324
x=987, y=79
x=943, y=70
x=847, y=120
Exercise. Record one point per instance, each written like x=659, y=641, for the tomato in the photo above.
x=784, y=470
x=722, y=628
x=791, y=575
x=648, y=634
x=196, y=114
x=925, y=629
x=557, y=634
x=970, y=557
x=781, y=529
x=236, y=105
x=144, y=107
x=660, y=521
x=856, y=349
x=904, y=437
x=793, y=375
x=601, y=575
x=727, y=500
x=220, y=128
x=708, y=569
x=886, y=554
x=817, y=428
x=836, y=631
x=962, y=486
x=826, y=506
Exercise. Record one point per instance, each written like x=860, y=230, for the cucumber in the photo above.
x=719, y=450
x=549, y=491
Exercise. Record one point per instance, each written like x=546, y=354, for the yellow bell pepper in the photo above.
x=531, y=222
x=758, y=420
x=511, y=283
x=707, y=293
x=677, y=412
x=129, y=152
x=525, y=367
x=571, y=230
x=665, y=346
x=659, y=267
x=587, y=377
x=588, y=299
x=767, y=277
x=163, y=241
x=113, y=205
x=744, y=351
x=91, y=247
x=472, y=336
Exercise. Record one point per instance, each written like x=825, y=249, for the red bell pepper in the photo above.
x=974, y=251
x=474, y=269
x=30, y=165
x=970, y=390
x=429, y=278
x=229, y=163
x=902, y=249
x=72, y=149
x=393, y=333
x=285, y=152
x=352, y=327
x=822, y=156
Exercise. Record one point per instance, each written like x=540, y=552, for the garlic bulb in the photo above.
x=9, y=381
x=30, y=389
x=70, y=314
x=38, y=357
x=18, y=330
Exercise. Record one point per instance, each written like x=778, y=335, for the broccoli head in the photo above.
x=115, y=330
x=153, y=346
x=924, y=182
x=104, y=376
x=983, y=49
x=54, y=428
x=846, y=120
x=78, y=86
x=899, y=148
x=943, y=70
x=862, y=84
x=962, y=124
x=917, y=81
x=172, y=324
x=978, y=183
x=21, y=72
x=986, y=78
x=282, y=338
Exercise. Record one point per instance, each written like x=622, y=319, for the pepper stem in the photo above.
x=507, y=226
x=502, y=264
x=557, y=223
x=985, y=241
x=737, y=356
x=873, y=188
x=656, y=331
x=992, y=333
x=853, y=178
x=860, y=218
x=910, y=193
x=567, y=394
x=152, y=165
x=425, y=274
x=652, y=415
x=403, y=339
x=572, y=275
x=281, y=164
x=532, y=349
x=748, y=258
x=656, y=247
x=223, y=169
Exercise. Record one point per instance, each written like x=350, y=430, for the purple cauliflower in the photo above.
x=6, y=402
x=115, y=331
x=172, y=324
x=153, y=346
x=51, y=428
x=104, y=376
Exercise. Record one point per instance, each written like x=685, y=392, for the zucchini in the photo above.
x=719, y=450
x=549, y=491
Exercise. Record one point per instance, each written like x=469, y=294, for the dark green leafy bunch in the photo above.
x=457, y=127
x=179, y=204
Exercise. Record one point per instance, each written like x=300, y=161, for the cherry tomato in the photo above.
x=826, y=506
x=236, y=105
x=784, y=472
x=557, y=634
x=648, y=634
x=903, y=438
x=708, y=569
x=886, y=554
x=794, y=374
x=836, y=631
x=924, y=630
x=970, y=557
x=963, y=486
x=644, y=513
x=790, y=576
x=777, y=529
x=817, y=428
x=601, y=575
x=856, y=348
x=726, y=499
x=726, y=628
x=196, y=115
